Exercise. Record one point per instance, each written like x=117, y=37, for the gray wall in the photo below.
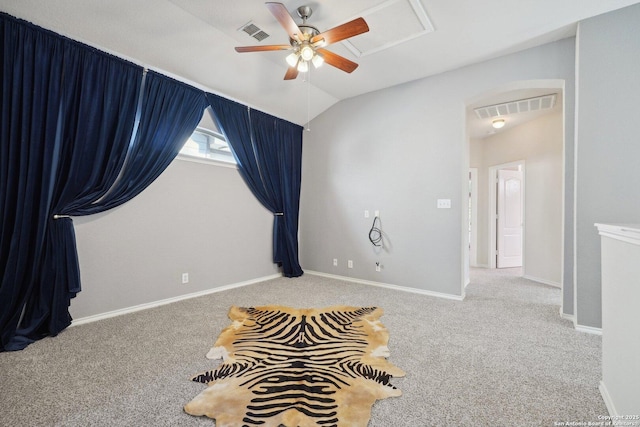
x=195, y=218
x=539, y=144
x=398, y=150
x=608, y=143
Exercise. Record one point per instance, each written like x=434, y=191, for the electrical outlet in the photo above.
x=378, y=267
x=335, y=262
x=377, y=214
x=350, y=264
x=444, y=204
x=185, y=278
x=366, y=214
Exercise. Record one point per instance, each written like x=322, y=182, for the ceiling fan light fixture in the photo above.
x=303, y=66
x=317, y=60
x=307, y=52
x=305, y=40
x=292, y=59
x=498, y=123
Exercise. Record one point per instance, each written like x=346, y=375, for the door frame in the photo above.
x=473, y=244
x=492, y=216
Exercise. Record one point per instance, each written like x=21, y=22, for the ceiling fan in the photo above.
x=308, y=44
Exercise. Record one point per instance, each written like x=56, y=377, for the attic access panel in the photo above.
x=391, y=23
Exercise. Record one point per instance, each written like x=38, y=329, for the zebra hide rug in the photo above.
x=297, y=368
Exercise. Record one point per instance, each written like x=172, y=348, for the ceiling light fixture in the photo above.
x=498, y=123
x=303, y=66
x=302, y=56
x=317, y=60
x=306, y=52
x=292, y=59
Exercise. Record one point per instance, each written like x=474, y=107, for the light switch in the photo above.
x=444, y=203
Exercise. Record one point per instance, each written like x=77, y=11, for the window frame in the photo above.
x=206, y=160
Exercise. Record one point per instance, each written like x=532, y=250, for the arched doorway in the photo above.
x=525, y=131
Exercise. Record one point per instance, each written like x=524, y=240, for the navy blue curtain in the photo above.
x=31, y=86
x=68, y=116
x=96, y=119
x=170, y=112
x=269, y=155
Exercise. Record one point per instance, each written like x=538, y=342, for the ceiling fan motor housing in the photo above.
x=304, y=12
x=308, y=31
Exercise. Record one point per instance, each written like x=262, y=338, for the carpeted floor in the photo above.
x=502, y=357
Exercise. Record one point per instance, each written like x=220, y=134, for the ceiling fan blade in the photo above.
x=337, y=61
x=341, y=32
x=263, y=48
x=282, y=15
x=291, y=74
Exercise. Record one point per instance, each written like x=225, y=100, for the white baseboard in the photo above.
x=388, y=286
x=543, y=281
x=578, y=327
x=588, y=329
x=607, y=400
x=479, y=266
x=145, y=306
x=569, y=317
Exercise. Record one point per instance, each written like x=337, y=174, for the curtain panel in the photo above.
x=32, y=64
x=169, y=113
x=269, y=155
x=82, y=132
x=95, y=120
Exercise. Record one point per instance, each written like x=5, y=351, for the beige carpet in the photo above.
x=502, y=357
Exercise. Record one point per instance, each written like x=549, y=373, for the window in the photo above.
x=207, y=144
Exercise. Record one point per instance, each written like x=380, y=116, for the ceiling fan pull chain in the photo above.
x=308, y=99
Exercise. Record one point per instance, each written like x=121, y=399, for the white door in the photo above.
x=509, y=230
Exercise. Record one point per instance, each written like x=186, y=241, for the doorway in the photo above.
x=506, y=215
x=537, y=136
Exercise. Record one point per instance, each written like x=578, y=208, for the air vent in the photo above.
x=520, y=106
x=260, y=35
x=254, y=31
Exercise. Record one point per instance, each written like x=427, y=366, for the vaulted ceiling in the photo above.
x=194, y=40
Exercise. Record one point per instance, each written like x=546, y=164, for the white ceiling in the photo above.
x=194, y=40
